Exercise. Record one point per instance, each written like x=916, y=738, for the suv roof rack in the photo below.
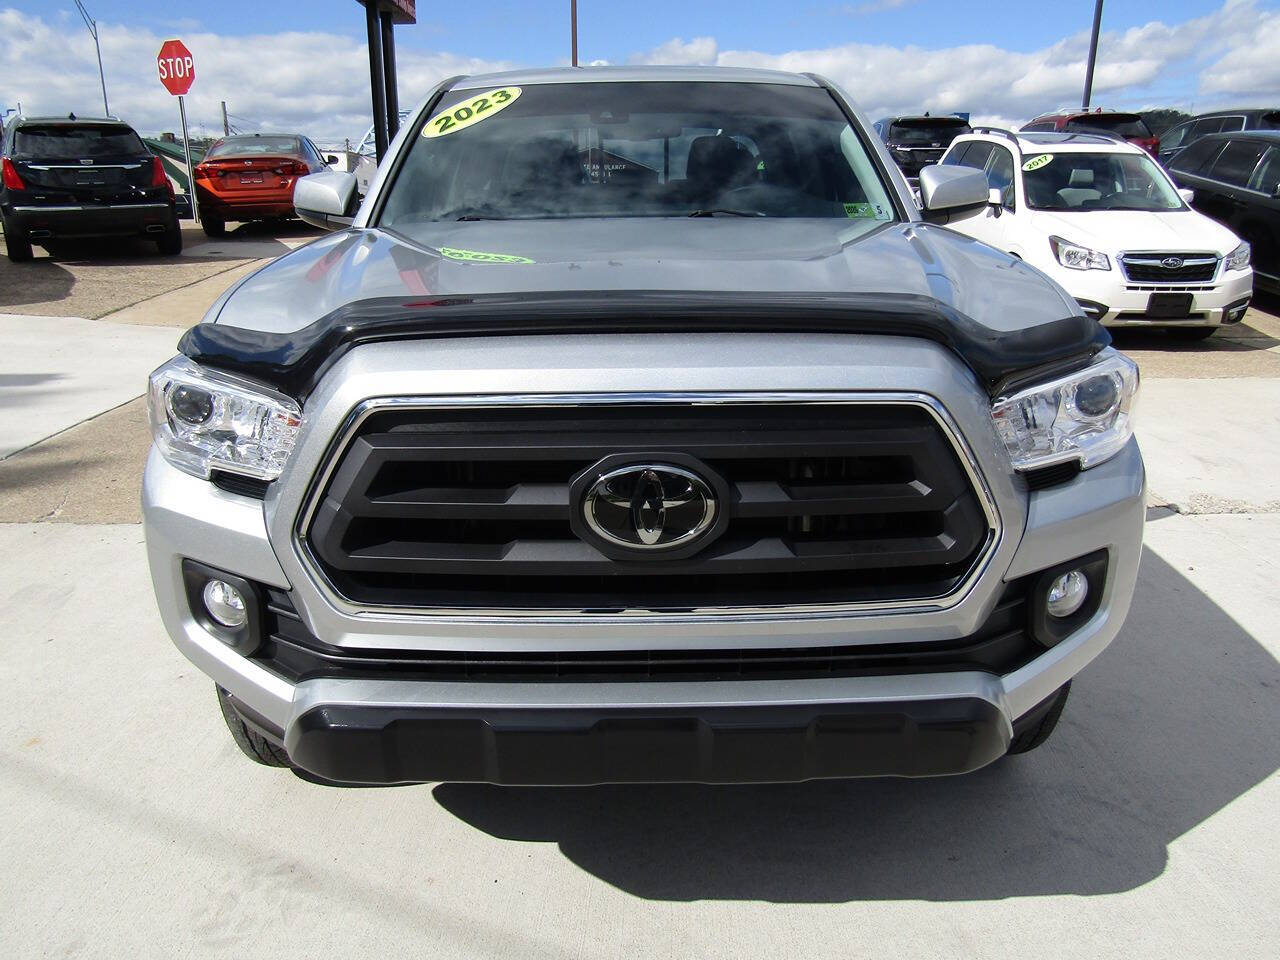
x=997, y=131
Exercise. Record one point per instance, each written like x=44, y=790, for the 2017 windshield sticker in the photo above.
x=865, y=211
x=470, y=112
x=1035, y=163
x=477, y=256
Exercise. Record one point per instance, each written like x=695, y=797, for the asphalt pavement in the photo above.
x=134, y=828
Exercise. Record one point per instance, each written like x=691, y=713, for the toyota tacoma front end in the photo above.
x=638, y=428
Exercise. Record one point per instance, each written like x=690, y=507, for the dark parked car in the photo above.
x=1128, y=126
x=1176, y=139
x=1236, y=179
x=67, y=177
x=916, y=142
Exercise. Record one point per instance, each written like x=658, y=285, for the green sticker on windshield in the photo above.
x=470, y=112
x=477, y=256
x=865, y=211
x=1035, y=163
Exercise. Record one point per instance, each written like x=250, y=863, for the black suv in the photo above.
x=1236, y=180
x=67, y=177
x=916, y=142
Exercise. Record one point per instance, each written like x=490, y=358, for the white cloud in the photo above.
x=316, y=83
x=1226, y=55
x=698, y=51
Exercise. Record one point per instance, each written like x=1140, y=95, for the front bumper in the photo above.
x=91, y=220
x=379, y=729
x=1117, y=302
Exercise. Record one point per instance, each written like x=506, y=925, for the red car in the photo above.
x=1130, y=126
x=251, y=177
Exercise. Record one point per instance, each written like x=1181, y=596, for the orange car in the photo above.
x=251, y=178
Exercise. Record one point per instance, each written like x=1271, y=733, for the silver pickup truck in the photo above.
x=639, y=426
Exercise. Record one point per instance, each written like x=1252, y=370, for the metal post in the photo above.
x=1093, y=54
x=92, y=24
x=376, y=78
x=389, y=76
x=226, y=127
x=191, y=176
x=573, y=29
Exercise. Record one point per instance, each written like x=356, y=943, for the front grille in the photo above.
x=1148, y=268
x=469, y=509
x=999, y=646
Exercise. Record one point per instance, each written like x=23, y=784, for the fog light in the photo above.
x=1067, y=594
x=227, y=607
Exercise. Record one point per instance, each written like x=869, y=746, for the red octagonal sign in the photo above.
x=176, y=66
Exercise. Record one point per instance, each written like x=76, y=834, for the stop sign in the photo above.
x=176, y=66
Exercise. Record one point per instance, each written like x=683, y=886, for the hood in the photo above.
x=1146, y=231
x=696, y=256
x=288, y=322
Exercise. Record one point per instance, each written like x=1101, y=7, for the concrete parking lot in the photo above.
x=1145, y=828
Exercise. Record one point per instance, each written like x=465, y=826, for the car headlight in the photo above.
x=1075, y=257
x=1238, y=259
x=1085, y=416
x=203, y=420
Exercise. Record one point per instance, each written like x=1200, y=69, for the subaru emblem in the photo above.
x=1171, y=263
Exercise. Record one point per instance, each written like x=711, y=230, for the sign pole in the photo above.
x=186, y=148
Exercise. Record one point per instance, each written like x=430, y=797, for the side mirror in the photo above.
x=330, y=159
x=326, y=200
x=950, y=189
x=995, y=198
x=1187, y=195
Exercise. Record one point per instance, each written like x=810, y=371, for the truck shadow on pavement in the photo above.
x=1172, y=723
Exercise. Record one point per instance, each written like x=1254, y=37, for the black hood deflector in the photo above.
x=293, y=362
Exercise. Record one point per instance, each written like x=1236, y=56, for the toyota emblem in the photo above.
x=649, y=507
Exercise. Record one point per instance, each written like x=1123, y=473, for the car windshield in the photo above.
x=643, y=149
x=930, y=131
x=71, y=143
x=1097, y=181
x=1121, y=124
x=253, y=146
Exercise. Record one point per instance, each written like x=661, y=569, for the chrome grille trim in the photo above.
x=362, y=411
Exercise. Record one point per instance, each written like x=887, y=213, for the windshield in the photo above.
x=1121, y=124
x=553, y=151
x=70, y=143
x=927, y=132
x=253, y=146
x=1097, y=181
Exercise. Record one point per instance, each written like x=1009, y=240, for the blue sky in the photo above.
x=537, y=32
x=302, y=66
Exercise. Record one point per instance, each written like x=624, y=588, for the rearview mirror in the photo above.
x=330, y=159
x=950, y=189
x=327, y=199
x=1187, y=195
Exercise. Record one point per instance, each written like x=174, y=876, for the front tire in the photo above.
x=213, y=226
x=1034, y=729
x=251, y=743
x=16, y=243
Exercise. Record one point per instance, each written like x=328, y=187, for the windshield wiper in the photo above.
x=725, y=211
x=480, y=216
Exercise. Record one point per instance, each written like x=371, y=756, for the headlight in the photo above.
x=1238, y=259
x=1085, y=416
x=203, y=420
x=1075, y=257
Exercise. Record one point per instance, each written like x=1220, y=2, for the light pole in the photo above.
x=573, y=31
x=92, y=24
x=1093, y=53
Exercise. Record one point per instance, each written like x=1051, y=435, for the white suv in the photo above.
x=1103, y=219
